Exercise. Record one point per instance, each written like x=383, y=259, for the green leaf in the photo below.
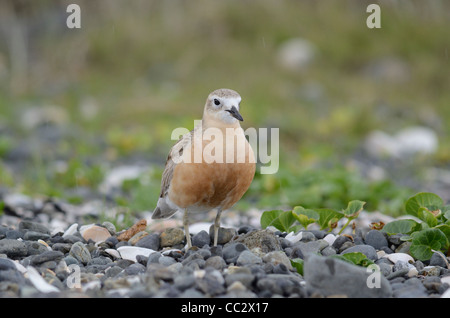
x=305, y=216
x=354, y=208
x=297, y=263
x=427, y=200
x=446, y=211
x=425, y=241
x=401, y=226
x=425, y=215
x=327, y=218
x=281, y=220
x=356, y=258
x=444, y=228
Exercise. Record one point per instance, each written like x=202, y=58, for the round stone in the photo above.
x=13, y=248
x=201, y=239
x=171, y=237
x=376, y=239
x=80, y=253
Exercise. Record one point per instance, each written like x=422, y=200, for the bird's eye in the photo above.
x=216, y=102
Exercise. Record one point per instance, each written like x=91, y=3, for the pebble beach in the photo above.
x=45, y=251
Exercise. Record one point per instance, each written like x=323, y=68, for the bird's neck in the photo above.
x=209, y=121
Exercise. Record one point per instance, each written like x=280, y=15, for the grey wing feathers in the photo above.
x=163, y=210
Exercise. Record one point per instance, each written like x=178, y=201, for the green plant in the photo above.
x=299, y=217
x=430, y=231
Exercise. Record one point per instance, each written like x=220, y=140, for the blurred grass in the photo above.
x=147, y=66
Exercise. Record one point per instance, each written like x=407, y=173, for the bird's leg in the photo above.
x=186, y=228
x=216, y=226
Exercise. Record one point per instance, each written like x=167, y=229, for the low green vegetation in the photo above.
x=428, y=231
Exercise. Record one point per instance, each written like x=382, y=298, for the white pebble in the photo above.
x=395, y=257
x=112, y=252
x=39, y=282
x=330, y=238
x=445, y=279
x=413, y=272
x=130, y=252
x=294, y=238
x=71, y=230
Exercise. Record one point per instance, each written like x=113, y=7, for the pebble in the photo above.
x=171, y=237
x=395, y=257
x=95, y=233
x=232, y=252
x=201, y=239
x=248, y=258
x=130, y=252
x=80, y=253
x=137, y=237
x=330, y=276
x=376, y=239
x=224, y=235
x=367, y=250
x=13, y=248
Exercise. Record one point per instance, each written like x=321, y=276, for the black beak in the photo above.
x=235, y=113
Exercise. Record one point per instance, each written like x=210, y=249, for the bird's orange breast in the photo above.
x=205, y=186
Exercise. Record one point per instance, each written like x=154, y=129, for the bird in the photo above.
x=222, y=175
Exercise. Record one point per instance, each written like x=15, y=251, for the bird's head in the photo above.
x=223, y=105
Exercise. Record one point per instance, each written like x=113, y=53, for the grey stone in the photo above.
x=46, y=257
x=6, y=264
x=35, y=248
x=12, y=275
x=403, y=248
x=307, y=237
x=224, y=235
x=34, y=236
x=248, y=258
x=277, y=257
x=13, y=248
x=80, y=253
x=150, y=241
x=184, y=281
x=332, y=276
x=216, y=262
x=280, y=284
x=264, y=240
x=399, y=273
x=367, y=250
x=135, y=269
x=232, y=251
x=154, y=258
x=302, y=250
x=160, y=272
x=376, y=239
x=245, y=278
x=211, y=282
x=328, y=251
x=62, y=247
x=70, y=260
x=201, y=239
x=33, y=226
x=438, y=260
x=14, y=234
x=341, y=239
x=396, y=238
x=410, y=291
x=166, y=260
x=385, y=269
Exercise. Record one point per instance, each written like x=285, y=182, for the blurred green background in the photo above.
x=75, y=103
